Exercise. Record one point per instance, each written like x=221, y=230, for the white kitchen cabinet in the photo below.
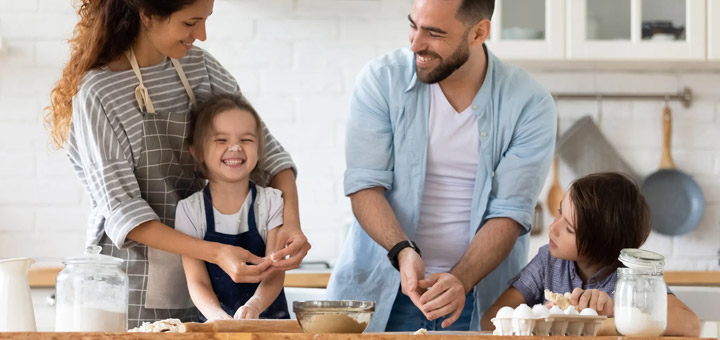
x=528, y=30
x=44, y=308
x=703, y=301
x=636, y=30
x=713, y=31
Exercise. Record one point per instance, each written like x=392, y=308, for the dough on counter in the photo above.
x=421, y=331
x=560, y=300
x=162, y=326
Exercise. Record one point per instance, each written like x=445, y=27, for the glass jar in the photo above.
x=640, y=294
x=91, y=294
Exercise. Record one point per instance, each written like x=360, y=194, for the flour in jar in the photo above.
x=88, y=319
x=632, y=321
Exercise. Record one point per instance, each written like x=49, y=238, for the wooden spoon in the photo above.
x=537, y=224
x=666, y=160
x=555, y=194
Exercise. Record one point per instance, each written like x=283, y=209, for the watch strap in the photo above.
x=395, y=251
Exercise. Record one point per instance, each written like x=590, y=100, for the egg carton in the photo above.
x=554, y=324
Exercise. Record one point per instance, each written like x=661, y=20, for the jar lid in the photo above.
x=642, y=259
x=93, y=256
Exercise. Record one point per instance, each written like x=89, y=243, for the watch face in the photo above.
x=415, y=247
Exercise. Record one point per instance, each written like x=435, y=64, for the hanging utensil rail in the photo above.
x=685, y=96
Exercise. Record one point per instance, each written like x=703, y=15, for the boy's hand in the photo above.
x=593, y=298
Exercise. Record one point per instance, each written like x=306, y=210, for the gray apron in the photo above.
x=165, y=174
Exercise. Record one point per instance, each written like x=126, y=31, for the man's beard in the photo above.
x=445, y=69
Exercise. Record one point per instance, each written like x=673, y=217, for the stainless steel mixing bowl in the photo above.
x=344, y=316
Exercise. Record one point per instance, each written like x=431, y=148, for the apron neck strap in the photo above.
x=184, y=81
x=141, y=93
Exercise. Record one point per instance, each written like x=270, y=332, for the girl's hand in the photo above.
x=241, y=265
x=246, y=313
x=249, y=310
x=595, y=299
x=290, y=241
x=219, y=315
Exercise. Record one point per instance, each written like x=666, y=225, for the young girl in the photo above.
x=600, y=215
x=225, y=141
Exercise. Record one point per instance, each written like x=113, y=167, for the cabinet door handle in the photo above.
x=50, y=299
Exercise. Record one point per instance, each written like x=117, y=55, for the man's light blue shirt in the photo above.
x=387, y=139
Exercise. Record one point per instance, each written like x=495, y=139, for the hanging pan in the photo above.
x=675, y=199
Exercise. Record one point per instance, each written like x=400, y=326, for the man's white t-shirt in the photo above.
x=190, y=214
x=452, y=161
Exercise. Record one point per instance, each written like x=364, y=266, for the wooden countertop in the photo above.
x=45, y=277
x=687, y=278
x=303, y=336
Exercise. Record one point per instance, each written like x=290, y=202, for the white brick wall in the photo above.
x=297, y=60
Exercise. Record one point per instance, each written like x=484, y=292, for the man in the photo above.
x=448, y=147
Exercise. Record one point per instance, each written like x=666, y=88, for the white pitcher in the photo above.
x=16, y=309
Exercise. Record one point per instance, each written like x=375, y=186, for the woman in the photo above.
x=122, y=107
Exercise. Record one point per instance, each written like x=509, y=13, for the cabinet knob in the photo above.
x=50, y=299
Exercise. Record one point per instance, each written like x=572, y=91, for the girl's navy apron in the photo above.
x=230, y=294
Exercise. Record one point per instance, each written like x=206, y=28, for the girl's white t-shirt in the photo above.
x=190, y=214
x=452, y=160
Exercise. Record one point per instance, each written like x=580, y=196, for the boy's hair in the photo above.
x=610, y=214
x=201, y=125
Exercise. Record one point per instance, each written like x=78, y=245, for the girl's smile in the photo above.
x=233, y=162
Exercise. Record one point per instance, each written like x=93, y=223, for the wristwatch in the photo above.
x=395, y=250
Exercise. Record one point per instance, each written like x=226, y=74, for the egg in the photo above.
x=588, y=311
x=505, y=312
x=556, y=310
x=523, y=312
x=540, y=311
x=571, y=310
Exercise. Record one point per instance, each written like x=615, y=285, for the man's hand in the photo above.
x=447, y=296
x=234, y=261
x=412, y=269
x=290, y=242
x=596, y=299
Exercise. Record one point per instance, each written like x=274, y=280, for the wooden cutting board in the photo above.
x=243, y=326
